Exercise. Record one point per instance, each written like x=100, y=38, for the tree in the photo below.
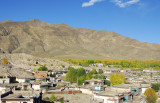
x=81, y=80
x=150, y=95
x=62, y=100
x=107, y=82
x=100, y=71
x=4, y=61
x=71, y=75
x=43, y=68
x=52, y=98
x=116, y=79
x=81, y=71
x=156, y=87
x=88, y=76
x=94, y=71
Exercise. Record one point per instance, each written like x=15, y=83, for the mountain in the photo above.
x=43, y=39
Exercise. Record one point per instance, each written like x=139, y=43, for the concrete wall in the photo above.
x=105, y=99
x=4, y=80
x=20, y=80
x=36, y=87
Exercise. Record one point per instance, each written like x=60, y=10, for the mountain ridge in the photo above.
x=40, y=38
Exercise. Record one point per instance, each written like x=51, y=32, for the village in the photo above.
x=51, y=83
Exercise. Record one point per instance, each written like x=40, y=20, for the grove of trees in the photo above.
x=80, y=74
x=118, y=63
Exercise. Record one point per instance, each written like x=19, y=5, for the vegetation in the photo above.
x=62, y=100
x=43, y=68
x=81, y=75
x=46, y=99
x=100, y=71
x=94, y=71
x=28, y=59
x=107, y=82
x=5, y=61
x=118, y=63
x=52, y=98
x=156, y=87
x=150, y=95
x=116, y=79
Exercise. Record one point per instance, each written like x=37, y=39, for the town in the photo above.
x=28, y=79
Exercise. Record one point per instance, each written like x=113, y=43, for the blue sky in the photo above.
x=137, y=19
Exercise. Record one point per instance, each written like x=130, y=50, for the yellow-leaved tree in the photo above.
x=116, y=79
x=150, y=95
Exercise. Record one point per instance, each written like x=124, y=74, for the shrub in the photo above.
x=46, y=98
x=43, y=68
x=4, y=61
x=44, y=65
x=33, y=64
x=28, y=59
x=52, y=98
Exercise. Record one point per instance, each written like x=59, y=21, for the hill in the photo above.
x=43, y=39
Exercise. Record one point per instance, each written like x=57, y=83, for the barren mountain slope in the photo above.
x=62, y=41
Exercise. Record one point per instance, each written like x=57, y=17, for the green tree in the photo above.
x=156, y=87
x=81, y=71
x=71, y=75
x=52, y=98
x=62, y=100
x=43, y=68
x=100, y=71
x=88, y=76
x=107, y=82
x=81, y=80
x=116, y=79
x=94, y=71
x=150, y=96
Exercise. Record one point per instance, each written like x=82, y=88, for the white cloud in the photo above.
x=121, y=3
x=90, y=3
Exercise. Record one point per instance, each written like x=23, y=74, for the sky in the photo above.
x=137, y=19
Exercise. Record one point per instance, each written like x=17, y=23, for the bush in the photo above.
x=46, y=99
x=28, y=59
x=52, y=98
x=42, y=68
x=4, y=61
x=33, y=64
x=44, y=65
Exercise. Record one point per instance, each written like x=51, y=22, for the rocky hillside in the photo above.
x=42, y=39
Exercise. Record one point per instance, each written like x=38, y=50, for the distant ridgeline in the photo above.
x=117, y=63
